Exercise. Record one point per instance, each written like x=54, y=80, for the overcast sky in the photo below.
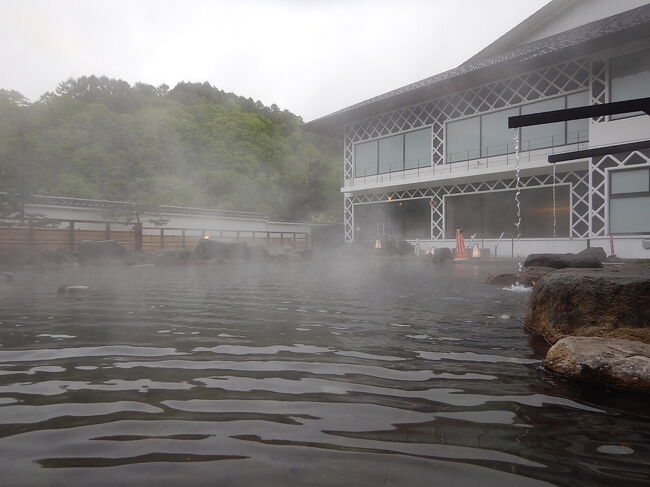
x=310, y=56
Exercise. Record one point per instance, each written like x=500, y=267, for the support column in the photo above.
x=348, y=219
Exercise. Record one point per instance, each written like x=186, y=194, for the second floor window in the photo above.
x=400, y=152
x=630, y=78
x=488, y=135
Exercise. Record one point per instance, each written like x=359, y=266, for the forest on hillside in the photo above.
x=192, y=145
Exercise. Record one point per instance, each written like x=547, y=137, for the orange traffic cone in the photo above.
x=461, y=252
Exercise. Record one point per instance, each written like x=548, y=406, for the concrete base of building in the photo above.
x=628, y=247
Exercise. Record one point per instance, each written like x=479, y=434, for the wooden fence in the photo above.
x=65, y=234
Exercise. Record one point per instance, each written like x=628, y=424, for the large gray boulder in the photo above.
x=592, y=302
x=597, y=253
x=100, y=251
x=562, y=261
x=622, y=363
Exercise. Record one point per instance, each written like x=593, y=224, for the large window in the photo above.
x=577, y=130
x=409, y=219
x=365, y=159
x=464, y=139
x=488, y=135
x=391, y=154
x=629, y=201
x=395, y=153
x=630, y=78
x=496, y=138
x=544, y=135
x=489, y=214
x=417, y=149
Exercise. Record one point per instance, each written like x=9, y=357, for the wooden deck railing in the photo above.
x=65, y=234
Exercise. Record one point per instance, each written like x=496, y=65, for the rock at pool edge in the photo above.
x=621, y=363
x=610, y=303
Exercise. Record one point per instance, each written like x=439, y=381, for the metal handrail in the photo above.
x=570, y=138
x=472, y=161
x=512, y=244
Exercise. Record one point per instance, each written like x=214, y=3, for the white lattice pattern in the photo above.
x=597, y=181
x=598, y=92
x=549, y=81
x=579, y=181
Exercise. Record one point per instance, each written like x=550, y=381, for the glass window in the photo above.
x=489, y=214
x=629, y=203
x=630, y=181
x=577, y=130
x=546, y=135
x=630, y=78
x=417, y=149
x=496, y=137
x=409, y=219
x=463, y=139
x=391, y=154
x=365, y=159
x=629, y=215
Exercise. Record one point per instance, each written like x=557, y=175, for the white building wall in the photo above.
x=629, y=247
x=433, y=181
x=579, y=13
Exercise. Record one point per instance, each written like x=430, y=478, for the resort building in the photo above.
x=437, y=155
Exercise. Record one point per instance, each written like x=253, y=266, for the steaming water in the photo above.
x=381, y=373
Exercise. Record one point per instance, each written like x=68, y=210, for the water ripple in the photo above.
x=350, y=373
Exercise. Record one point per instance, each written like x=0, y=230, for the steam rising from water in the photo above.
x=335, y=373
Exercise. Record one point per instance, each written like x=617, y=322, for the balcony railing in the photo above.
x=496, y=157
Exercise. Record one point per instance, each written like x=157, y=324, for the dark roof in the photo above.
x=514, y=36
x=601, y=34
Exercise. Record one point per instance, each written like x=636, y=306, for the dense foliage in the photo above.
x=193, y=145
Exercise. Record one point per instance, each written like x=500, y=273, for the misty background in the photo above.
x=202, y=103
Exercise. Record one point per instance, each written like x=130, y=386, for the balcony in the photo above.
x=533, y=154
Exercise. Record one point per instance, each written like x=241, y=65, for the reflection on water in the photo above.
x=381, y=373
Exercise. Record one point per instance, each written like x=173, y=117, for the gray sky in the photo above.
x=309, y=56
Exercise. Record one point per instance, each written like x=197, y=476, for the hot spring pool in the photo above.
x=292, y=374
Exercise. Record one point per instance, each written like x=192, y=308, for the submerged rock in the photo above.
x=527, y=277
x=502, y=279
x=622, y=363
x=562, y=261
x=611, y=302
x=100, y=251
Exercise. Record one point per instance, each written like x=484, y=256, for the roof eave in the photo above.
x=333, y=124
